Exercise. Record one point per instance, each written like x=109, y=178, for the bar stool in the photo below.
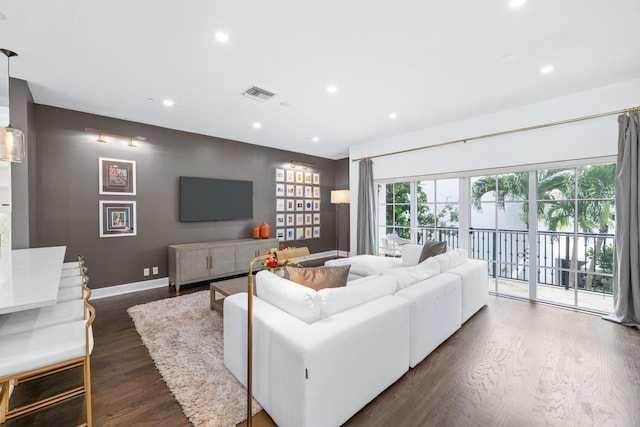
x=40, y=352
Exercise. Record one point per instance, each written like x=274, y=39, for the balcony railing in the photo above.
x=587, y=267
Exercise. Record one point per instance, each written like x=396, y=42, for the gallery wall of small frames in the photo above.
x=297, y=204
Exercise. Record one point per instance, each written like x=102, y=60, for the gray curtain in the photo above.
x=366, y=210
x=626, y=280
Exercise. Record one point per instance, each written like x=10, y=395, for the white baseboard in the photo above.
x=112, y=291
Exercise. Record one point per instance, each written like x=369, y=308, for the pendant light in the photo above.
x=12, y=141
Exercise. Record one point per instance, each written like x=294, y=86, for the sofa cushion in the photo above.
x=432, y=248
x=297, y=300
x=335, y=300
x=451, y=259
x=411, y=275
x=320, y=277
x=367, y=265
x=410, y=254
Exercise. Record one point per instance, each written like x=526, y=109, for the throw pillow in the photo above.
x=432, y=248
x=320, y=277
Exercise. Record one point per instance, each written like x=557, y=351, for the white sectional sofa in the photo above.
x=319, y=357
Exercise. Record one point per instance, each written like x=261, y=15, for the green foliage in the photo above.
x=605, y=258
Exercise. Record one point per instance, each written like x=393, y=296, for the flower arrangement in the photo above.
x=278, y=266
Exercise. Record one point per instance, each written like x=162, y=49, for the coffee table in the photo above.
x=222, y=289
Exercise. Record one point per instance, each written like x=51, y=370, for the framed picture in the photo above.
x=300, y=233
x=299, y=190
x=299, y=219
x=308, y=177
x=316, y=232
x=290, y=176
x=291, y=190
x=280, y=220
x=291, y=205
x=316, y=179
x=299, y=177
x=308, y=232
x=280, y=175
x=308, y=191
x=308, y=219
x=290, y=234
x=117, y=176
x=316, y=205
x=279, y=205
x=308, y=205
x=299, y=205
x=291, y=220
x=316, y=192
x=117, y=218
x=279, y=190
x=316, y=218
x=280, y=234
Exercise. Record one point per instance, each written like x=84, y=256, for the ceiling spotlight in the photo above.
x=546, y=69
x=392, y=115
x=222, y=37
x=315, y=139
x=168, y=103
x=332, y=89
x=131, y=144
x=101, y=138
x=516, y=3
x=257, y=125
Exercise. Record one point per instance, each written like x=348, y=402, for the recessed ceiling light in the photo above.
x=516, y=3
x=257, y=125
x=332, y=88
x=392, y=115
x=168, y=103
x=546, y=69
x=315, y=139
x=222, y=37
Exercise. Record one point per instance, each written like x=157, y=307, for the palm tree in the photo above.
x=557, y=188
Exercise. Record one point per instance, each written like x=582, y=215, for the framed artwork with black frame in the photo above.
x=117, y=177
x=117, y=218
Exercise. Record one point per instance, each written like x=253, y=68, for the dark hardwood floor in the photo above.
x=513, y=364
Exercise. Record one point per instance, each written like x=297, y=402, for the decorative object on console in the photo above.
x=256, y=232
x=13, y=143
x=321, y=277
x=265, y=230
x=432, y=248
x=286, y=254
x=339, y=198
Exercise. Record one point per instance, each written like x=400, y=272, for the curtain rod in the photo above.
x=506, y=132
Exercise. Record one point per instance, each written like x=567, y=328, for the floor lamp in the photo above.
x=338, y=198
x=286, y=254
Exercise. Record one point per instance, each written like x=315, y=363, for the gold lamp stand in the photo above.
x=290, y=254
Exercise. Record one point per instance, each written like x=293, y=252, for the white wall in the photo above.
x=580, y=140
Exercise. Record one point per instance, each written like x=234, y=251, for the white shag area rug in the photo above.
x=185, y=340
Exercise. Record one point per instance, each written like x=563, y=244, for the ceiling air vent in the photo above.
x=258, y=94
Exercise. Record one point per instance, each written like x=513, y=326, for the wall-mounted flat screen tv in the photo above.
x=209, y=199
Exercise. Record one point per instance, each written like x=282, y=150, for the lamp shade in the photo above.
x=340, y=197
x=12, y=145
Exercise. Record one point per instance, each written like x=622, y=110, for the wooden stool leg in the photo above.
x=4, y=401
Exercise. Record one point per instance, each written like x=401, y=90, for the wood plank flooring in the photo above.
x=513, y=364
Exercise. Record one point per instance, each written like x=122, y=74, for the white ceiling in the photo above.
x=429, y=61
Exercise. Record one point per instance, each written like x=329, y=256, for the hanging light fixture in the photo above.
x=12, y=141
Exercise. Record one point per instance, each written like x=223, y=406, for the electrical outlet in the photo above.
x=155, y=270
x=145, y=272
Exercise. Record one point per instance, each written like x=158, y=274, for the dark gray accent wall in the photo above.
x=67, y=189
x=22, y=117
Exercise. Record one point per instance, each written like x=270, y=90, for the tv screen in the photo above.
x=208, y=199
